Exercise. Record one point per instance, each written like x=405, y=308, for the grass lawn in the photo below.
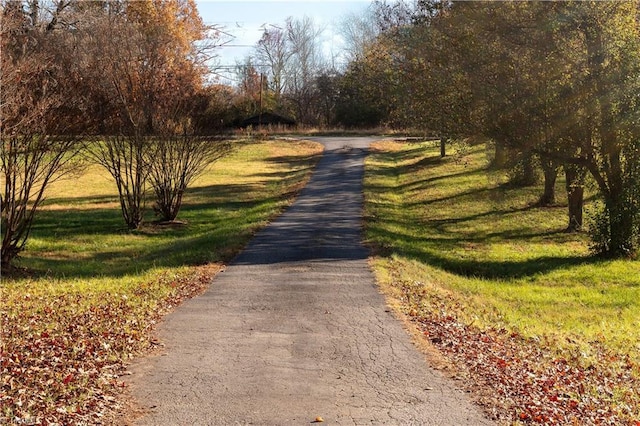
x=456, y=246
x=93, y=290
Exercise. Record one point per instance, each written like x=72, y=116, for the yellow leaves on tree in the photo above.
x=173, y=26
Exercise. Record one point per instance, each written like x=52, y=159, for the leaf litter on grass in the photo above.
x=519, y=379
x=62, y=356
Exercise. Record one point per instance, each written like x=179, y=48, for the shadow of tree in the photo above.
x=391, y=230
x=432, y=251
x=219, y=220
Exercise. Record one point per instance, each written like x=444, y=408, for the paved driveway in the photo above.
x=295, y=329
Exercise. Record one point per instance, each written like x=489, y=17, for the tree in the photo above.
x=125, y=83
x=250, y=87
x=40, y=113
x=177, y=160
x=326, y=92
x=178, y=155
x=611, y=37
x=289, y=71
x=273, y=53
x=437, y=85
x=304, y=62
x=213, y=109
x=367, y=90
x=359, y=32
x=148, y=69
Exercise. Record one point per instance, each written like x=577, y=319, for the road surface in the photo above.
x=296, y=329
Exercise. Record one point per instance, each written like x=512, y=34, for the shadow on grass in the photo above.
x=392, y=229
x=86, y=202
x=89, y=242
x=295, y=159
x=417, y=165
x=162, y=248
x=284, y=178
x=434, y=251
x=504, y=269
x=422, y=163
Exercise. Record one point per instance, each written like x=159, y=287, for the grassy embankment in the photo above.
x=93, y=290
x=552, y=333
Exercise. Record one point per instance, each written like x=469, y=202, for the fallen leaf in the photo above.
x=68, y=379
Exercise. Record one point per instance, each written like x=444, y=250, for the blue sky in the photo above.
x=242, y=20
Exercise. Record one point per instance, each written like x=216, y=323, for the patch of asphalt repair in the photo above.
x=295, y=329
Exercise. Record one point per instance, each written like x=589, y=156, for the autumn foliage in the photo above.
x=42, y=110
x=128, y=72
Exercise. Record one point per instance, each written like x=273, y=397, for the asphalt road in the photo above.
x=295, y=328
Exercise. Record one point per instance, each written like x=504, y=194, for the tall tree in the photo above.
x=273, y=53
x=437, y=85
x=251, y=85
x=369, y=90
x=42, y=110
x=304, y=62
x=148, y=67
x=126, y=83
x=359, y=31
x=611, y=41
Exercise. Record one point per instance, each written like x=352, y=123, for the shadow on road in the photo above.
x=325, y=222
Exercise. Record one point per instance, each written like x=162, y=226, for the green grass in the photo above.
x=79, y=233
x=452, y=226
x=90, y=291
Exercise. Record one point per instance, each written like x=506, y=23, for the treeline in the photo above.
x=287, y=72
x=131, y=73
x=554, y=85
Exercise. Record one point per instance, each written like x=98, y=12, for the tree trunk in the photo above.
x=501, y=155
x=550, y=169
x=523, y=173
x=10, y=248
x=443, y=147
x=168, y=202
x=575, y=176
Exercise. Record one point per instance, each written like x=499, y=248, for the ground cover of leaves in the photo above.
x=63, y=355
x=520, y=380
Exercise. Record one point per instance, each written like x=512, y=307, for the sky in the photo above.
x=242, y=22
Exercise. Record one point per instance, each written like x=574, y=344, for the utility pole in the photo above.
x=260, y=111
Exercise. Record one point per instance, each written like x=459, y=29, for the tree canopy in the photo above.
x=551, y=83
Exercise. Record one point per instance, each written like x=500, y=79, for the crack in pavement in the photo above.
x=295, y=328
